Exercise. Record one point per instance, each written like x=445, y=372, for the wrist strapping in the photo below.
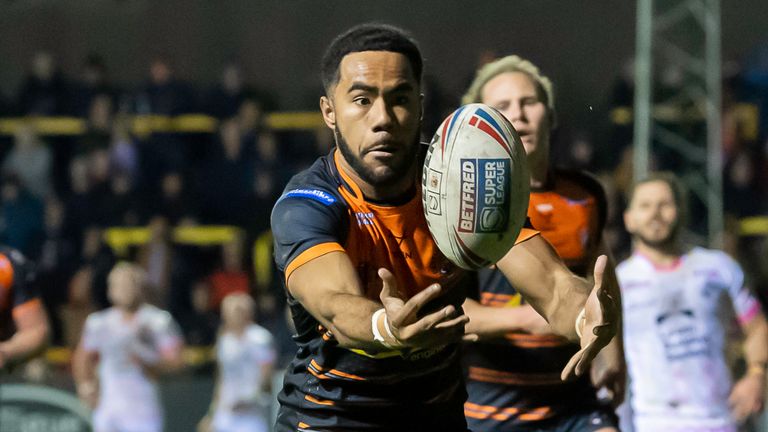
x=377, y=336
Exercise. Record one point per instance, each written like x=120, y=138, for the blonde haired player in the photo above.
x=513, y=371
x=130, y=343
x=246, y=356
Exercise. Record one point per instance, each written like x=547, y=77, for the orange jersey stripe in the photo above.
x=310, y=254
x=501, y=377
x=503, y=414
x=316, y=369
x=319, y=401
x=525, y=234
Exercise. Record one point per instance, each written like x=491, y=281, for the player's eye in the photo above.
x=361, y=100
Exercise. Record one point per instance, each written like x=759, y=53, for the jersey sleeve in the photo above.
x=263, y=342
x=92, y=338
x=745, y=304
x=306, y=223
x=526, y=232
x=25, y=290
x=167, y=333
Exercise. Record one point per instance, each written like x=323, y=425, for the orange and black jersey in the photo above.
x=17, y=289
x=515, y=380
x=326, y=386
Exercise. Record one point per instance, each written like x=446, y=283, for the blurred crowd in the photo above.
x=59, y=194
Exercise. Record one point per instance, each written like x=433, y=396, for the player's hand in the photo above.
x=88, y=392
x=747, y=396
x=601, y=317
x=609, y=372
x=438, y=328
x=205, y=424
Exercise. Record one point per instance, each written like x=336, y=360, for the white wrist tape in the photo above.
x=377, y=336
x=579, y=318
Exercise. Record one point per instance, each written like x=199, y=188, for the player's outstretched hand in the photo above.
x=747, y=396
x=599, y=325
x=435, y=329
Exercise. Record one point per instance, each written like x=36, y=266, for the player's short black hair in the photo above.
x=369, y=37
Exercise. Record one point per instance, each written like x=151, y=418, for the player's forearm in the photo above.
x=492, y=322
x=348, y=318
x=756, y=342
x=25, y=343
x=570, y=294
x=83, y=366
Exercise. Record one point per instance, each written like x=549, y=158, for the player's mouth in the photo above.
x=383, y=150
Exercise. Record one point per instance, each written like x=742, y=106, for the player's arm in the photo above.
x=32, y=333
x=167, y=356
x=493, y=322
x=569, y=303
x=84, y=362
x=328, y=287
x=748, y=394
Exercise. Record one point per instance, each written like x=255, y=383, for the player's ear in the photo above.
x=628, y=222
x=421, y=106
x=328, y=111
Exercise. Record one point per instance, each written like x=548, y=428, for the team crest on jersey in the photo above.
x=364, y=218
x=484, y=195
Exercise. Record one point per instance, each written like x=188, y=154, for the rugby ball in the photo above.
x=475, y=186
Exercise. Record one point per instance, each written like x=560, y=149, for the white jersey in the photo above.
x=126, y=393
x=241, y=359
x=675, y=324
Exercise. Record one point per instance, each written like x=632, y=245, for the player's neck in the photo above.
x=662, y=255
x=399, y=191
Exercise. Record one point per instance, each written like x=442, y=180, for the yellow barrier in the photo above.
x=122, y=238
x=754, y=226
x=143, y=125
x=192, y=355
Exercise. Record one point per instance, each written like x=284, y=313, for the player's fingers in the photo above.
x=600, y=269
x=409, y=309
x=470, y=337
x=431, y=321
x=388, y=284
x=569, y=371
x=459, y=321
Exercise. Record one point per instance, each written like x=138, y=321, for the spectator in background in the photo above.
x=57, y=261
x=231, y=277
x=164, y=94
x=174, y=203
x=21, y=226
x=131, y=343
x=93, y=81
x=224, y=100
x=156, y=257
x=30, y=161
x=228, y=199
x=246, y=356
x=100, y=115
x=44, y=92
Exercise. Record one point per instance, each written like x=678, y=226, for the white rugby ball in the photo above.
x=475, y=186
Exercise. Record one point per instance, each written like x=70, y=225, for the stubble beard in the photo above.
x=396, y=173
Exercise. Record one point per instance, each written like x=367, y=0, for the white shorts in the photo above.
x=229, y=422
x=110, y=421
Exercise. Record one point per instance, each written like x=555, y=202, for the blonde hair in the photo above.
x=133, y=271
x=511, y=63
x=239, y=299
